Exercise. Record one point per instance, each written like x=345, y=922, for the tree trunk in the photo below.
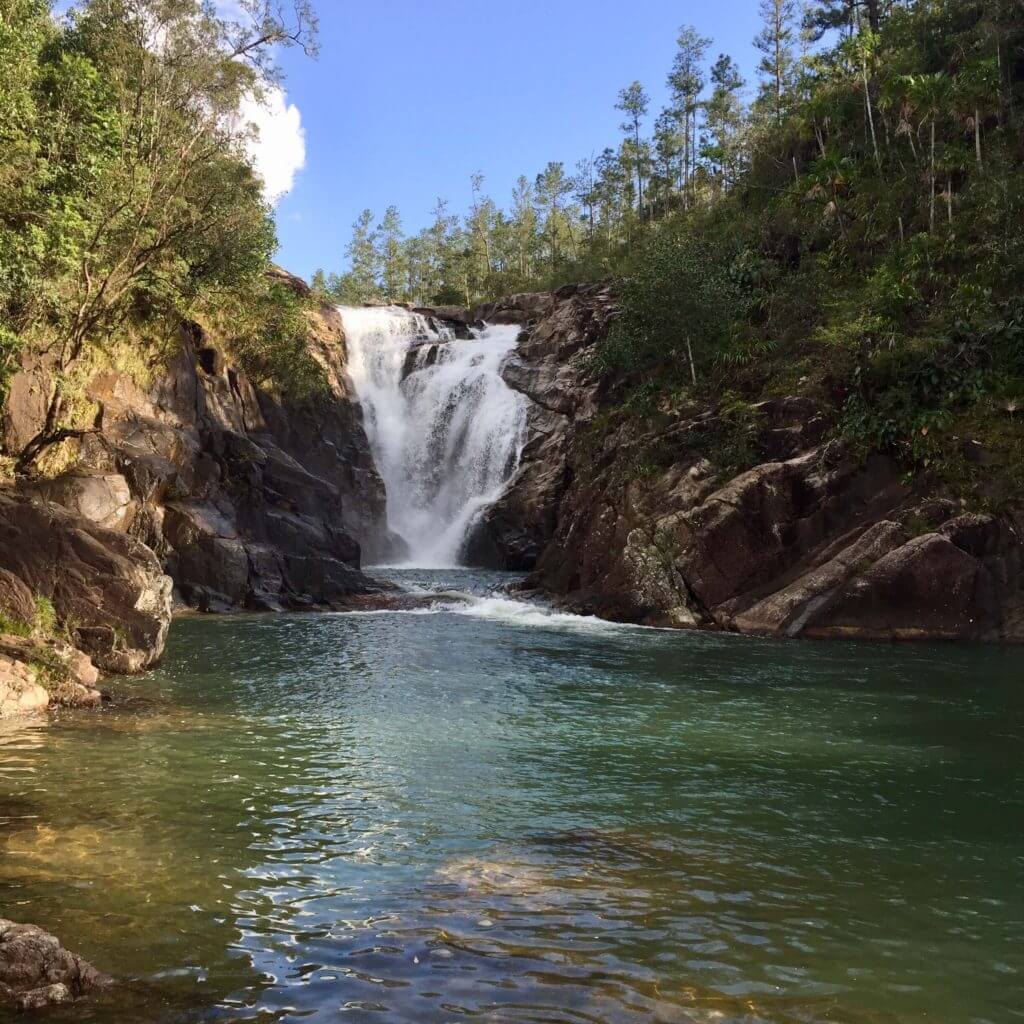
x=931, y=205
x=874, y=12
x=693, y=366
x=871, y=116
x=639, y=173
x=977, y=138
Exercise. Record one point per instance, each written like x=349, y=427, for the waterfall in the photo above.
x=446, y=431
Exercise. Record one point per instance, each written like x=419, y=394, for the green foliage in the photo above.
x=44, y=625
x=46, y=616
x=266, y=331
x=865, y=248
x=13, y=627
x=678, y=304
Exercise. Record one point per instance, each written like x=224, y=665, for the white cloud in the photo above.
x=278, y=148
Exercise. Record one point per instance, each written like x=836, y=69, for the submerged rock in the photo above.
x=37, y=972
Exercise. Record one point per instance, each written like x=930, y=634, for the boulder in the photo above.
x=209, y=563
x=107, y=588
x=926, y=589
x=36, y=971
x=20, y=691
x=786, y=611
x=102, y=498
x=516, y=309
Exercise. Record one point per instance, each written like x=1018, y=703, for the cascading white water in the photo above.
x=446, y=431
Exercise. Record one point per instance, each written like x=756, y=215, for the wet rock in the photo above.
x=400, y=601
x=420, y=357
x=37, y=972
x=460, y=321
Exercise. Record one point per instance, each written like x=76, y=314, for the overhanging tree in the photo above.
x=146, y=195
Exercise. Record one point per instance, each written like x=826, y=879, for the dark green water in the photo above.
x=496, y=815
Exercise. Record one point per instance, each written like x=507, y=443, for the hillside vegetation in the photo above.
x=866, y=248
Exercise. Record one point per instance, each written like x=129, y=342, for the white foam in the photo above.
x=505, y=610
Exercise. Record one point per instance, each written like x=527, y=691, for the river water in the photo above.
x=495, y=813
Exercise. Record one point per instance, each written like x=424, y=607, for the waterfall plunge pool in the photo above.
x=497, y=813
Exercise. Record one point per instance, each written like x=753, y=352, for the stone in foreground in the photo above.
x=36, y=971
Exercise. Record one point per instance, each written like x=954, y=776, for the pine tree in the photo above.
x=479, y=227
x=524, y=227
x=553, y=188
x=724, y=119
x=686, y=80
x=438, y=248
x=776, y=41
x=668, y=150
x=634, y=103
x=361, y=282
x=393, y=260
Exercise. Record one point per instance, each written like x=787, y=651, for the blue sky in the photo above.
x=410, y=97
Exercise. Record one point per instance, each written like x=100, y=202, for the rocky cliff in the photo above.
x=641, y=519
x=244, y=498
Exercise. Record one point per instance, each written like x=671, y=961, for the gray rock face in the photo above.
x=807, y=542
x=250, y=499
x=37, y=972
x=107, y=587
